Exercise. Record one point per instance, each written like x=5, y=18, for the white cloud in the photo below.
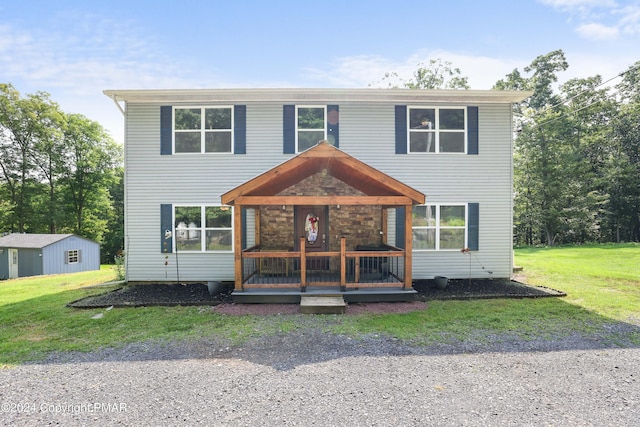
x=594, y=31
x=580, y=6
x=600, y=19
x=483, y=71
x=630, y=21
x=78, y=57
x=364, y=70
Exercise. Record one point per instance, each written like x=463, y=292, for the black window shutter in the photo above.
x=400, y=228
x=240, y=129
x=472, y=131
x=333, y=112
x=289, y=129
x=166, y=126
x=166, y=224
x=401, y=129
x=474, y=226
x=66, y=257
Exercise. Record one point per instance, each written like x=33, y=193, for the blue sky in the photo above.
x=76, y=49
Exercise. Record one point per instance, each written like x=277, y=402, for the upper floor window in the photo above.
x=311, y=126
x=439, y=227
x=203, y=228
x=437, y=130
x=203, y=129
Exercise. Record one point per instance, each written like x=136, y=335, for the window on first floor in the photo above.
x=203, y=129
x=437, y=130
x=440, y=227
x=203, y=228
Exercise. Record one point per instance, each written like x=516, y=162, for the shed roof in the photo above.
x=31, y=241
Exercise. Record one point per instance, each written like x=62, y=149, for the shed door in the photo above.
x=13, y=263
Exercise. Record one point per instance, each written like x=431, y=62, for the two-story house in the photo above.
x=357, y=190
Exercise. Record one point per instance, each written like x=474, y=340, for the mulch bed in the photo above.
x=222, y=302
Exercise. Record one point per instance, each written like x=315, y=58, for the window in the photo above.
x=439, y=227
x=203, y=228
x=437, y=130
x=73, y=256
x=203, y=129
x=311, y=126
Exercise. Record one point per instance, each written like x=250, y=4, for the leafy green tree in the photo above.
x=590, y=110
x=113, y=241
x=58, y=172
x=46, y=157
x=89, y=165
x=20, y=125
x=624, y=160
x=438, y=74
x=539, y=170
x=577, y=176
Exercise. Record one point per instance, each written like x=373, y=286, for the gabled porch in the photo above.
x=321, y=227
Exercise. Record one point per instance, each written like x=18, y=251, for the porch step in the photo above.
x=322, y=304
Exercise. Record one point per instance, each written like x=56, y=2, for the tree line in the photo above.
x=576, y=159
x=576, y=149
x=59, y=172
x=577, y=155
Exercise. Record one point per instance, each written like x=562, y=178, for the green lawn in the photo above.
x=604, y=279
x=601, y=281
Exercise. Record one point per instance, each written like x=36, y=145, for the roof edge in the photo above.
x=315, y=94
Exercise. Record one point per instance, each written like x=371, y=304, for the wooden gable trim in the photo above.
x=339, y=164
x=393, y=185
x=323, y=200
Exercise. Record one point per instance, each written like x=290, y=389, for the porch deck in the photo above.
x=372, y=274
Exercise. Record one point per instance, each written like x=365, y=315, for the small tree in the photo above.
x=438, y=74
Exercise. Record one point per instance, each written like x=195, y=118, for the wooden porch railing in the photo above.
x=368, y=268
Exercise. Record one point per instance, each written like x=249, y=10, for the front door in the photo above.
x=312, y=223
x=13, y=263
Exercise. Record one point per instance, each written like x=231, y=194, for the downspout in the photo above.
x=125, y=200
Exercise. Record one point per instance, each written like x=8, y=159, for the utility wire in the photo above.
x=635, y=67
x=555, y=119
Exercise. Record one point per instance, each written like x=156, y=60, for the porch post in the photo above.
x=385, y=229
x=303, y=265
x=237, y=246
x=258, y=232
x=408, y=246
x=343, y=264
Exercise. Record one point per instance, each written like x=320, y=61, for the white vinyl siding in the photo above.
x=367, y=133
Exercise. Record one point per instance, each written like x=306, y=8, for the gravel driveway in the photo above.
x=313, y=378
